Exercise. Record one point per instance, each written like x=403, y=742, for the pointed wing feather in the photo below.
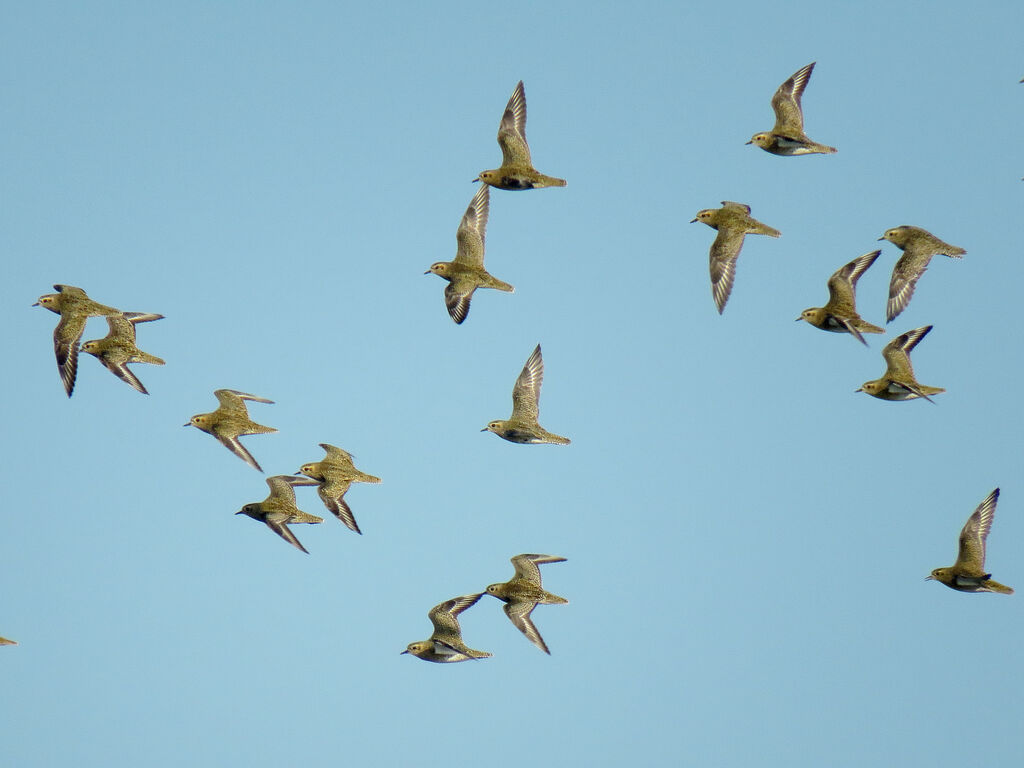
x=905, y=274
x=526, y=566
x=281, y=487
x=121, y=370
x=471, y=233
x=897, y=354
x=724, y=252
x=512, y=130
x=444, y=615
x=457, y=296
x=974, y=533
x=285, y=533
x=526, y=392
x=842, y=286
x=519, y=614
x=789, y=116
x=332, y=494
x=65, y=346
x=234, y=445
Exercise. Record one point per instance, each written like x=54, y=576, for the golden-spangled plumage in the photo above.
x=74, y=308
x=918, y=245
x=733, y=222
x=522, y=426
x=445, y=644
x=840, y=313
x=279, y=510
x=968, y=574
x=333, y=475
x=466, y=273
x=523, y=592
x=898, y=382
x=517, y=171
x=230, y=421
x=787, y=137
x=117, y=349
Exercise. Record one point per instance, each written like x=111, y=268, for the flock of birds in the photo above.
x=334, y=474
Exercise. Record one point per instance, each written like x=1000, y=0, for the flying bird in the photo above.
x=279, y=510
x=445, y=643
x=74, y=308
x=466, y=273
x=117, y=349
x=968, y=574
x=788, y=137
x=522, y=426
x=733, y=222
x=333, y=475
x=898, y=381
x=517, y=171
x=918, y=246
x=230, y=421
x=523, y=592
x=839, y=315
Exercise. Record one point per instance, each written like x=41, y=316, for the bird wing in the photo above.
x=519, y=614
x=336, y=455
x=842, y=286
x=332, y=494
x=457, y=296
x=282, y=487
x=512, y=130
x=724, y=252
x=120, y=369
x=908, y=270
x=282, y=530
x=444, y=615
x=233, y=444
x=789, y=115
x=121, y=328
x=472, y=229
x=526, y=392
x=65, y=346
x=526, y=566
x=972, y=538
x=897, y=354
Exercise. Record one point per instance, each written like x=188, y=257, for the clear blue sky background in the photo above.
x=746, y=537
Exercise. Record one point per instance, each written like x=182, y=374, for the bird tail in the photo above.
x=995, y=586
x=501, y=285
x=551, y=599
x=549, y=181
x=145, y=357
x=362, y=477
x=258, y=429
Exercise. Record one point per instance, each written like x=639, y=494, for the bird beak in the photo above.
x=859, y=389
x=693, y=221
x=484, y=429
x=405, y=651
x=750, y=142
x=36, y=304
x=298, y=473
x=881, y=238
x=187, y=424
x=800, y=318
x=427, y=272
x=929, y=578
x=238, y=512
x=474, y=180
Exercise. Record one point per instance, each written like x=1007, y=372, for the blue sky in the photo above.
x=746, y=537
